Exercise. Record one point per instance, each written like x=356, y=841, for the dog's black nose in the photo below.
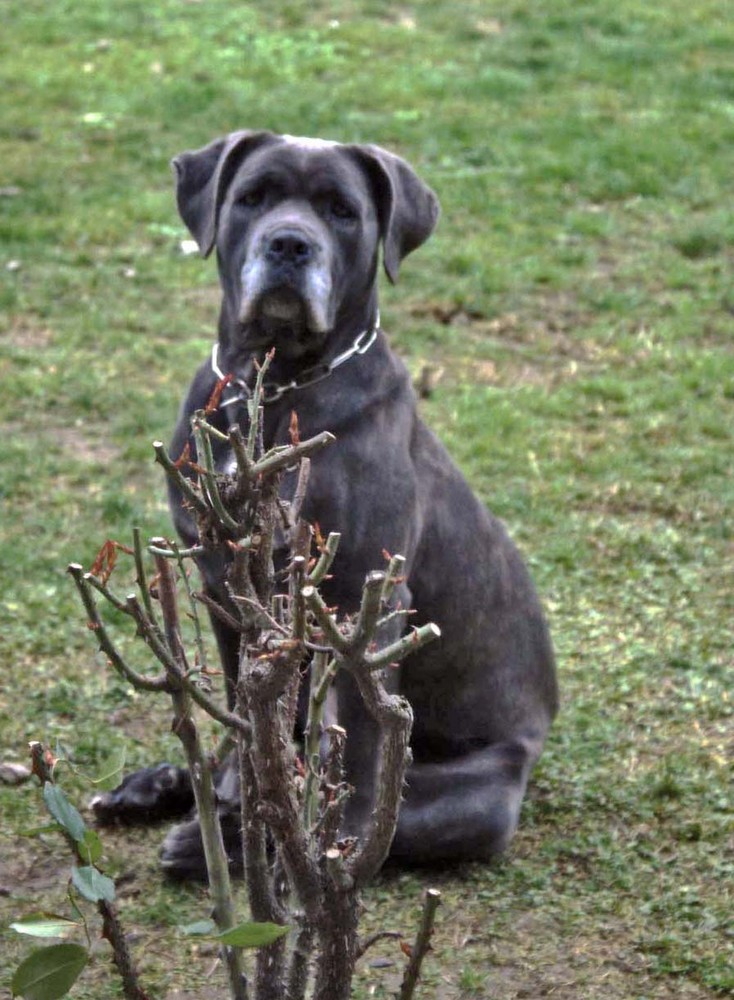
x=289, y=247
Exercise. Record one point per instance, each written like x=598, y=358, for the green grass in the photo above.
x=577, y=297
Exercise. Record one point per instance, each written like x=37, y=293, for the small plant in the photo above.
x=302, y=876
x=50, y=972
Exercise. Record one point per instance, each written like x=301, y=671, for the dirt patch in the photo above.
x=628, y=500
x=549, y=322
x=541, y=349
x=77, y=441
x=29, y=333
x=29, y=870
x=584, y=978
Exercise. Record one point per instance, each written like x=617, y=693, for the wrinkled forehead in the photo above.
x=303, y=165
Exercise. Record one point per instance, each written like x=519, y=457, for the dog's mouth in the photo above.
x=282, y=307
x=283, y=318
x=276, y=318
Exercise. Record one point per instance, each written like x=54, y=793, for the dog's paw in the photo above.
x=182, y=852
x=146, y=796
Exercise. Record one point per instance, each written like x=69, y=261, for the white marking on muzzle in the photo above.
x=316, y=293
x=253, y=278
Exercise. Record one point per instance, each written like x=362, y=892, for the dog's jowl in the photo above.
x=299, y=226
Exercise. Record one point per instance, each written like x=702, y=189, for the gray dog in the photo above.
x=297, y=225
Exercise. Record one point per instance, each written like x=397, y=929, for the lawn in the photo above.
x=576, y=306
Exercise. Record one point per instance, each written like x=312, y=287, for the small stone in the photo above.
x=12, y=773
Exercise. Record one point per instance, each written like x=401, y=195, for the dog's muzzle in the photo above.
x=286, y=283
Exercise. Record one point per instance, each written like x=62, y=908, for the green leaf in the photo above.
x=111, y=769
x=253, y=935
x=63, y=811
x=44, y=925
x=92, y=884
x=49, y=973
x=199, y=927
x=90, y=848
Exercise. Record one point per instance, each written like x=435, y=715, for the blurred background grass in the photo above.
x=577, y=301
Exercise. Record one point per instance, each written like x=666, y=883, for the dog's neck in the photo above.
x=288, y=375
x=352, y=336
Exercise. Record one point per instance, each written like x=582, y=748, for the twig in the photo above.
x=369, y=612
x=262, y=614
x=394, y=616
x=364, y=946
x=422, y=943
x=106, y=592
x=194, y=611
x=326, y=558
x=194, y=550
x=139, y=681
x=261, y=897
x=333, y=808
x=315, y=603
x=338, y=870
x=180, y=481
x=276, y=461
x=201, y=781
x=173, y=669
x=140, y=578
x=402, y=646
x=220, y=612
x=298, y=606
x=239, y=448
x=299, y=495
x=160, y=645
x=265, y=904
x=253, y=405
x=312, y=739
x=208, y=474
x=393, y=576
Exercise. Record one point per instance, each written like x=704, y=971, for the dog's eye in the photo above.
x=341, y=209
x=251, y=199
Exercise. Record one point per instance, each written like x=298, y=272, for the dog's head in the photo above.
x=297, y=224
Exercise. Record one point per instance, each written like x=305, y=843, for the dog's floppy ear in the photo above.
x=406, y=207
x=202, y=178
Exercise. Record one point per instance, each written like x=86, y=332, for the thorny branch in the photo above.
x=297, y=868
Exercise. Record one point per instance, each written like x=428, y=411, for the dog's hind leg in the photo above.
x=464, y=808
